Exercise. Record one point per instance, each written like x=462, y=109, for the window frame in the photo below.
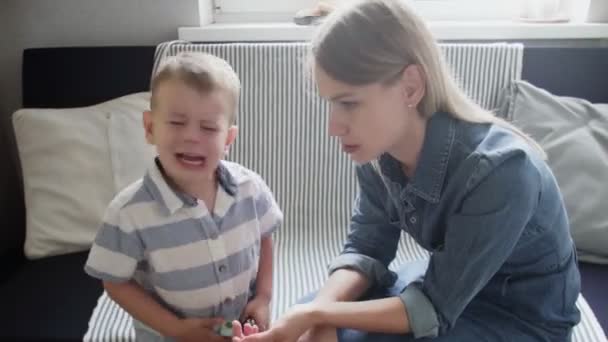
x=239, y=11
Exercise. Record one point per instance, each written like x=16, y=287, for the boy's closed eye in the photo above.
x=209, y=128
x=177, y=119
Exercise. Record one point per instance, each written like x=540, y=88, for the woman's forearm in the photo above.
x=364, y=315
x=343, y=285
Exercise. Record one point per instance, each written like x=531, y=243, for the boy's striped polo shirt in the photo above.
x=195, y=263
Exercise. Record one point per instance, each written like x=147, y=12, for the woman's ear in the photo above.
x=414, y=84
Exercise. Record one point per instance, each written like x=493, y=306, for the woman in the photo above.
x=467, y=186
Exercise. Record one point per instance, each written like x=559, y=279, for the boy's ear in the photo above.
x=148, y=126
x=232, y=132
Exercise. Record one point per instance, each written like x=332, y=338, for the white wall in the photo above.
x=48, y=23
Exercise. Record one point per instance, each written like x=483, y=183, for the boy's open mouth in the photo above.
x=191, y=159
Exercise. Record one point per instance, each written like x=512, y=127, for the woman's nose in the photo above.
x=336, y=128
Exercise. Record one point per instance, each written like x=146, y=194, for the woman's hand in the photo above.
x=288, y=328
x=320, y=333
x=198, y=329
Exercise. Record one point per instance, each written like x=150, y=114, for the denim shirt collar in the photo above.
x=156, y=182
x=429, y=175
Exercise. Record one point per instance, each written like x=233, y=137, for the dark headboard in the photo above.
x=70, y=77
x=61, y=78
x=81, y=76
x=577, y=72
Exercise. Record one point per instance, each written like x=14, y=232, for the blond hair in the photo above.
x=374, y=40
x=202, y=72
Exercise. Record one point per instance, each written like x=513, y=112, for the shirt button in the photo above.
x=413, y=219
x=222, y=268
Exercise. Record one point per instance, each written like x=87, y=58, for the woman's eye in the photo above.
x=348, y=104
x=209, y=128
x=176, y=123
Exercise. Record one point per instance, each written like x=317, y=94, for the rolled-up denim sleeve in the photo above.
x=480, y=236
x=372, y=241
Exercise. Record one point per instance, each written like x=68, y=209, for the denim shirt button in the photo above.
x=413, y=219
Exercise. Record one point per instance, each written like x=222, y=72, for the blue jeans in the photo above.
x=481, y=320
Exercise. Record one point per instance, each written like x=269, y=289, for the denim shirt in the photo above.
x=489, y=210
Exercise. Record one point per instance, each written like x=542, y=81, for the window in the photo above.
x=272, y=20
x=283, y=10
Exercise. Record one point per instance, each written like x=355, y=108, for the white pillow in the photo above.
x=68, y=175
x=129, y=151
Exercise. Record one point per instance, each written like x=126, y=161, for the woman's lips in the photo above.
x=349, y=148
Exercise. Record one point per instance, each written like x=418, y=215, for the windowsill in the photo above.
x=443, y=30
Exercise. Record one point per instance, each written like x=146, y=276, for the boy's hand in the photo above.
x=240, y=331
x=198, y=329
x=288, y=328
x=258, y=309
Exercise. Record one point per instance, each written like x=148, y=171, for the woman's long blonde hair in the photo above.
x=374, y=40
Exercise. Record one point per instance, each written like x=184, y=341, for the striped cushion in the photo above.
x=300, y=263
x=282, y=136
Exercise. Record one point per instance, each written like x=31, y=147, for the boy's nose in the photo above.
x=192, y=133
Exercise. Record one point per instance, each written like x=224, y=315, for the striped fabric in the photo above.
x=282, y=136
x=170, y=244
x=300, y=269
